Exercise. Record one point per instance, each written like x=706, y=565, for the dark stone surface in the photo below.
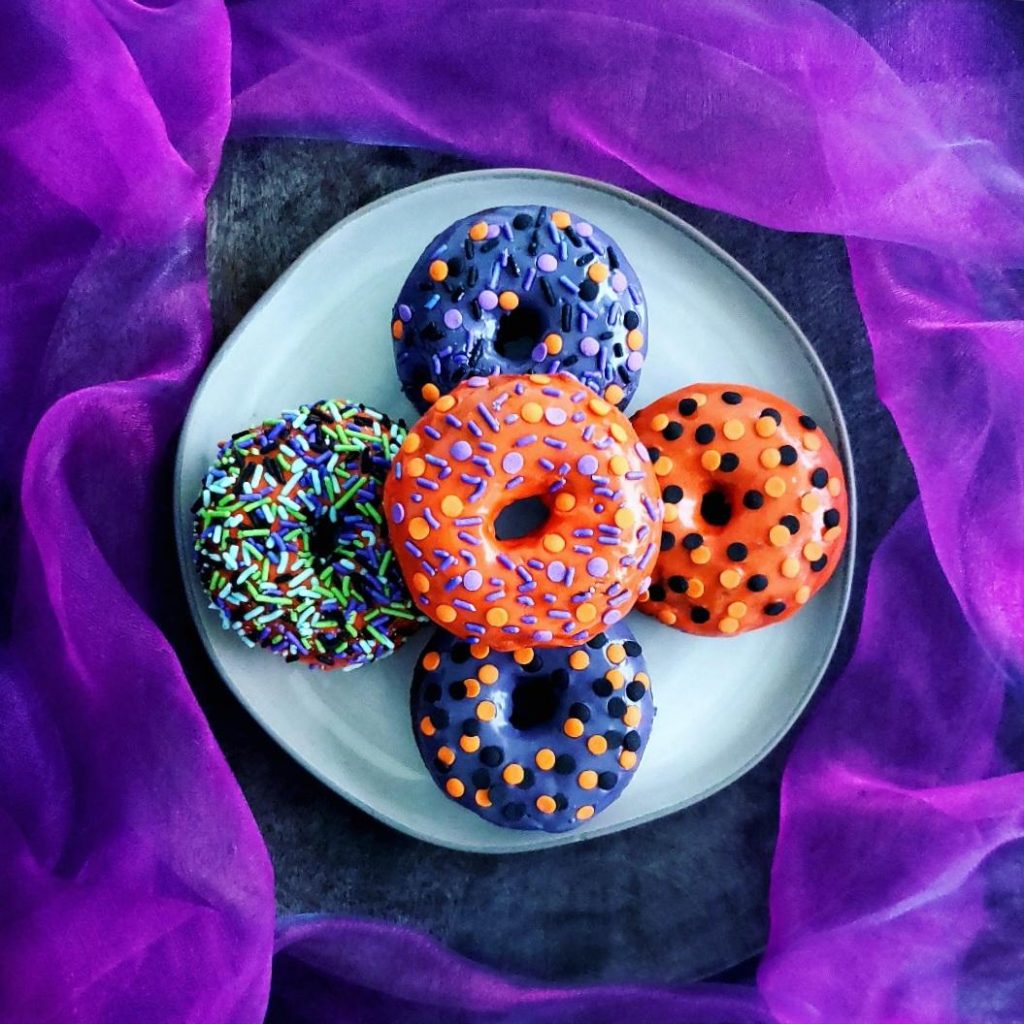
x=678, y=899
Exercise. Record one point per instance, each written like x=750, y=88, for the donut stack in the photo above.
x=523, y=514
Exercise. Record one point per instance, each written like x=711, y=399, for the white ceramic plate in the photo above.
x=323, y=331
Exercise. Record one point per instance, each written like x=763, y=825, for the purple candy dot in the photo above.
x=404, y=313
x=556, y=571
x=472, y=580
x=397, y=513
x=487, y=299
x=492, y=230
x=539, y=352
x=584, y=230
x=597, y=567
x=547, y=262
x=611, y=616
x=555, y=416
x=587, y=465
x=635, y=361
x=453, y=319
x=512, y=462
x=618, y=281
x=589, y=346
x=462, y=450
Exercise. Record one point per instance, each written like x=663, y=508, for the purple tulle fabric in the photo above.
x=133, y=882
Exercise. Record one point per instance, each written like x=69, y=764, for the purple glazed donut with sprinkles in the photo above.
x=520, y=289
x=538, y=738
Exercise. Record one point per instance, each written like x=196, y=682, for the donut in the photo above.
x=290, y=542
x=755, y=508
x=511, y=444
x=520, y=289
x=535, y=739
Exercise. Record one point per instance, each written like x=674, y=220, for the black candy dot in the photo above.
x=631, y=741
x=565, y=764
x=513, y=811
x=774, y=414
x=598, y=641
x=616, y=707
x=732, y=397
x=757, y=583
x=791, y=523
x=459, y=652
x=699, y=615
x=455, y=266
x=787, y=453
x=678, y=584
x=580, y=711
x=631, y=320
x=560, y=678
x=613, y=737
x=481, y=778
x=672, y=494
x=602, y=688
x=635, y=690
x=730, y=461
x=819, y=564
x=561, y=801
x=832, y=517
x=687, y=407
x=632, y=649
x=528, y=779
x=522, y=221
x=656, y=592
x=492, y=756
x=439, y=718
x=807, y=423
x=432, y=693
x=440, y=767
x=819, y=478
x=753, y=500
x=654, y=454
x=673, y=431
x=588, y=290
x=607, y=780
x=736, y=551
x=471, y=727
x=775, y=608
x=692, y=541
x=457, y=691
x=704, y=434
x=667, y=540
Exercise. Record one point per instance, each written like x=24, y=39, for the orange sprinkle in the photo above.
x=790, y=568
x=728, y=625
x=833, y=533
x=430, y=393
x=643, y=679
x=775, y=487
x=508, y=300
x=597, y=745
x=513, y=774
x=561, y=219
x=565, y=502
x=486, y=711
x=411, y=442
x=478, y=232
x=668, y=616
x=695, y=588
x=587, y=779
x=579, y=660
x=812, y=551
x=812, y=442
x=553, y=343
x=416, y=466
x=397, y=330
x=532, y=412
x=711, y=460
x=553, y=542
x=618, y=431
x=482, y=797
x=451, y=505
x=700, y=398
x=614, y=394
x=834, y=485
x=585, y=813
x=420, y=583
x=544, y=759
x=431, y=661
x=438, y=270
x=455, y=788
x=496, y=617
x=627, y=760
x=427, y=726
x=671, y=513
x=472, y=687
x=470, y=744
x=540, y=378
x=446, y=755
x=546, y=804
x=616, y=654
x=573, y=728
x=733, y=429
x=635, y=339
x=586, y=612
x=523, y=656
x=597, y=271
x=779, y=536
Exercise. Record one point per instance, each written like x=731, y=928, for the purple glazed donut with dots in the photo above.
x=538, y=739
x=520, y=289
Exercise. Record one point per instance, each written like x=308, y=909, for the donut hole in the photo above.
x=716, y=508
x=521, y=518
x=518, y=332
x=536, y=700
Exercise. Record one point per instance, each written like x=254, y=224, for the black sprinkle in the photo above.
x=570, y=233
x=613, y=258
x=440, y=767
x=549, y=294
x=587, y=257
x=489, y=246
x=561, y=801
x=566, y=318
x=757, y=583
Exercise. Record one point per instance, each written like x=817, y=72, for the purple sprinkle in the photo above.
x=535, y=563
x=539, y=352
x=568, y=284
x=505, y=561
x=582, y=549
x=642, y=452
x=485, y=414
x=512, y=462
x=559, y=613
x=432, y=432
x=525, y=440
x=464, y=605
x=472, y=580
x=397, y=512
x=404, y=313
x=486, y=446
x=468, y=538
x=546, y=464
x=469, y=521
x=453, y=421
x=476, y=382
x=474, y=429
x=513, y=483
x=531, y=276
x=542, y=636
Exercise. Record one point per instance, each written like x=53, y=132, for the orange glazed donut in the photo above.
x=755, y=508
x=489, y=444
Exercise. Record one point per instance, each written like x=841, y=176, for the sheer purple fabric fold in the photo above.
x=135, y=886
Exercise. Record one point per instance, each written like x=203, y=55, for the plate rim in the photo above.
x=843, y=577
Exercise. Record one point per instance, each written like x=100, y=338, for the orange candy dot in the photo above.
x=775, y=487
x=627, y=760
x=803, y=595
x=616, y=678
x=599, y=407
x=415, y=467
x=479, y=651
x=418, y=528
x=397, y=330
x=451, y=505
x=431, y=661
x=635, y=339
x=711, y=460
x=565, y=502
x=671, y=513
x=587, y=779
x=701, y=555
x=668, y=616
x=659, y=422
x=472, y=687
x=614, y=394
x=482, y=797
x=470, y=744
x=729, y=578
x=455, y=788
x=444, y=403
x=420, y=583
x=812, y=442
x=586, y=613
x=508, y=300
x=579, y=660
x=737, y=609
x=812, y=551
x=624, y=518
x=411, y=442
x=496, y=617
x=523, y=656
x=488, y=674
x=618, y=464
x=597, y=745
x=765, y=426
x=597, y=272
x=546, y=804
x=790, y=568
x=478, y=232
x=544, y=759
x=438, y=270
x=553, y=542
x=695, y=588
x=561, y=219
x=733, y=429
x=770, y=457
x=427, y=726
x=430, y=392
x=616, y=654
x=809, y=502
x=553, y=343
x=779, y=536
x=486, y=711
x=532, y=412
x=728, y=625
x=573, y=728
x=540, y=378
x=833, y=534
x=446, y=755
x=632, y=716
x=618, y=431
x=445, y=613
x=585, y=813
x=513, y=774
x=663, y=466
x=834, y=486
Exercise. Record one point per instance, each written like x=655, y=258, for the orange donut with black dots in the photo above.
x=496, y=442
x=755, y=508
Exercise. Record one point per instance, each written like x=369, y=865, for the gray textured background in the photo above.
x=678, y=899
